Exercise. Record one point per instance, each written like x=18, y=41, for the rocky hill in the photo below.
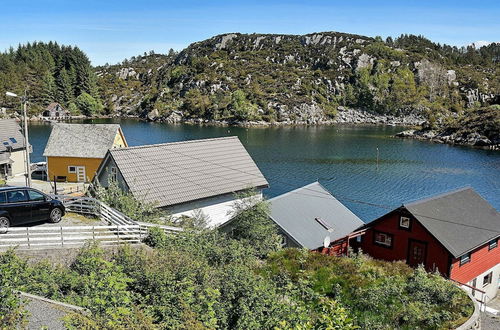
x=305, y=79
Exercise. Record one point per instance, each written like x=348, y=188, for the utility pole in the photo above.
x=26, y=140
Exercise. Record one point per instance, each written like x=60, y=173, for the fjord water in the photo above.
x=342, y=158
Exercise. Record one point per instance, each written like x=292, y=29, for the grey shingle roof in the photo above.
x=296, y=212
x=81, y=140
x=174, y=173
x=9, y=128
x=461, y=220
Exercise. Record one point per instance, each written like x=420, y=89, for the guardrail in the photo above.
x=54, y=236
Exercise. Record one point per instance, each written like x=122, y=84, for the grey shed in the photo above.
x=81, y=140
x=461, y=220
x=310, y=213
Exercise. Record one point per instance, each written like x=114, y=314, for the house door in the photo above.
x=417, y=252
x=80, y=174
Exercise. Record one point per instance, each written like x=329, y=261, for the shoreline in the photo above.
x=473, y=140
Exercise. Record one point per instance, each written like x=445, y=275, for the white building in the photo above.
x=187, y=177
x=12, y=149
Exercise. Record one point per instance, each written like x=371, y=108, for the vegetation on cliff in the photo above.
x=241, y=77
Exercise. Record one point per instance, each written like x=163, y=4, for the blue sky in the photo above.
x=109, y=31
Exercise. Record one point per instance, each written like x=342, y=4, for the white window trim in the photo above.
x=465, y=259
x=387, y=238
x=490, y=276
x=69, y=171
x=401, y=222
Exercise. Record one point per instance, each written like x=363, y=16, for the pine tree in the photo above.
x=65, y=90
x=49, y=89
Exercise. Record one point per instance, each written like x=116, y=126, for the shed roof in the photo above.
x=179, y=172
x=304, y=212
x=461, y=220
x=10, y=135
x=81, y=140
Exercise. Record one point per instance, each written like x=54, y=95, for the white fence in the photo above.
x=54, y=236
x=121, y=228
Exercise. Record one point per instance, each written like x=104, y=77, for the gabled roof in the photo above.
x=460, y=220
x=10, y=135
x=81, y=140
x=307, y=213
x=179, y=172
x=53, y=105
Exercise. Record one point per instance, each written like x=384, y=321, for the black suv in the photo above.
x=20, y=206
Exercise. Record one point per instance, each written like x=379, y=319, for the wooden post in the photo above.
x=118, y=234
x=28, y=236
x=62, y=237
x=93, y=233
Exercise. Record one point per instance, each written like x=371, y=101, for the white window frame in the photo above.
x=387, y=241
x=284, y=240
x=74, y=171
x=490, y=277
x=465, y=259
x=493, y=244
x=406, y=219
x=113, y=173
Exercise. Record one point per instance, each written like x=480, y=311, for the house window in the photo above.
x=493, y=244
x=465, y=259
x=13, y=140
x=487, y=279
x=71, y=169
x=382, y=239
x=113, y=175
x=404, y=222
x=283, y=240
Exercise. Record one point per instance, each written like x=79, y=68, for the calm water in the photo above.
x=342, y=158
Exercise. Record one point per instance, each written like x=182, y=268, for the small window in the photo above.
x=465, y=259
x=17, y=196
x=6, y=143
x=383, y=239
x=487, y=279
x=283, y=240
x=404, y=222
x=493, y=244
x=113, y=175
x=36, y=196
x=71, y=169
x=13, y=140
x=3, y=198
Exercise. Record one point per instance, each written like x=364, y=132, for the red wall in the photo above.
x=437, y=256
x=482, y=259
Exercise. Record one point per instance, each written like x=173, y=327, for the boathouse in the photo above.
x=455, y=233
x=75, y=151
x=185, y=178
x=55, y=111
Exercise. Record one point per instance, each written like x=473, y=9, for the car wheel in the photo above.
x=4, y=225
x=55, y=215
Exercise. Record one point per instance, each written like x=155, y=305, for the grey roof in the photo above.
x=174, y=173
x=296, y=212
x=81, y=140
x=461, y=220
x=9, y=128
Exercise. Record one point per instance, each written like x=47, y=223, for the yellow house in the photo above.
x=75, y=151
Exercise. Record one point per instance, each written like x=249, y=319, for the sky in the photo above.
x=109, y=31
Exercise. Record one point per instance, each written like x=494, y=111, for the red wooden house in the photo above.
x=455, y=234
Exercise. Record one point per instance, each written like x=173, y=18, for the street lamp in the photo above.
x=26, y=141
